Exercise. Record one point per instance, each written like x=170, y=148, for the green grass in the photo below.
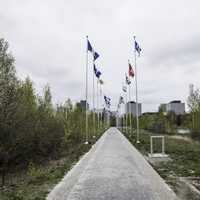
x=185, y=154
x=40, y=179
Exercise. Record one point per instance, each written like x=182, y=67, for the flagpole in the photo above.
x=122, y=111
x=120, y=116
x=126, y=108
x=136, y=91
x=86, y=95
x=123, y=117
x=98, y=103
x=101, y=120
x=94, y=129
x=129, y=88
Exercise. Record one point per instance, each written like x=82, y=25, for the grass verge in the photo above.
x=38, y=180
x=184, y=153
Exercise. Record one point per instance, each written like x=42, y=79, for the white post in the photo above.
x=93, y=89
x=136, y=91
x=122, y=119
x=158, y=137
x=101, y=119
x=163, y=145
x=86, y=94
x=117, y=118
x=126, y=109
x=98, y=103
x=129, y=107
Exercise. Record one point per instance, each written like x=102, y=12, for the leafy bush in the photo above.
x=36, y=173
x=195, y=135
x=31, y=128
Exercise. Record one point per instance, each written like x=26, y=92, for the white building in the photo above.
x=176, y=106
x=130, y=107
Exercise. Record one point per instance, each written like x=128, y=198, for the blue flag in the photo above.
x=95, y=55
x=95, y=69
x=124, y=88
x=97, y=72
x=89, y=46
x=128, y=82
x=121, y=100
x=107, y=101
x=137, y=48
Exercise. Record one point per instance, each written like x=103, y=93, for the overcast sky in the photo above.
x=47, y=38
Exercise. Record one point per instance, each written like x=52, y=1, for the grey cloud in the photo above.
x=47, y=39
x=177, y=53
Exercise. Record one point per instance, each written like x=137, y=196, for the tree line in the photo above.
x=31, y=127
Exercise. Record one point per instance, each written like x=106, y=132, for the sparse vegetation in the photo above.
x=194, y=106
x=184, y=152
x=38, y=180
x=34, y=132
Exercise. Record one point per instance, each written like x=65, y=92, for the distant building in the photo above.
x=176, y=106
x=130, y=107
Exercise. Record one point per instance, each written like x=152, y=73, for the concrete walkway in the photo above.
x=112, y=169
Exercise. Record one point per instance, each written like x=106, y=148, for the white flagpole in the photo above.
x=120, y=116
x=86, y=95
x=126, y=109
x=93, y=89
x=122, y=112
x=123, y=116
x=98, y=103
x=136, y=91
x=129, y=88
x=101, y=107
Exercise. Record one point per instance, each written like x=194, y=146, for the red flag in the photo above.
x=130, y=70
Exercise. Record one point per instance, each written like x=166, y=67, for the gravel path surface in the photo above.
x=112, y=170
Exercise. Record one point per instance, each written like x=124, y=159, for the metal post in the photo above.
x=98, y=104
x=86, y=95
x=137, y=114
x=101, y=119
x=126, y=109
x=163, y=145
x=130, y=108
x=93, y=94
x=122, y=120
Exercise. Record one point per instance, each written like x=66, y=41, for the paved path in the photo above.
x=112, y=170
